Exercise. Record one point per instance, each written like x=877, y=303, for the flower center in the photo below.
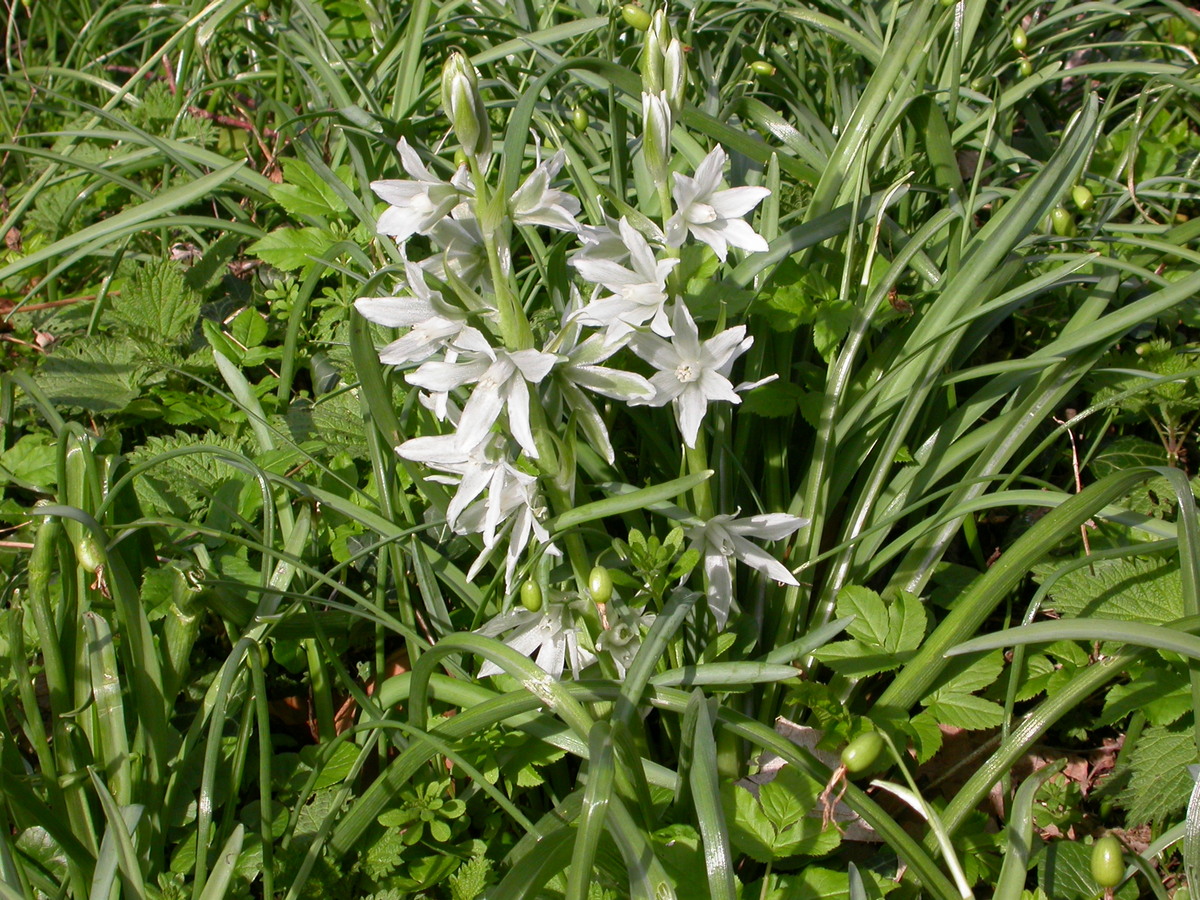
x=687, y=372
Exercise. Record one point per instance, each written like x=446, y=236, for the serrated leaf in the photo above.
x=157, y=303
x=817, y=883
x=966, y=711
x=1158, y=691
x=33, y=459
x=774, y=400
x=304, y=193
x=966, y=676
x=927, y=736
x=1138, y=590
x=777, y=824
x=794, y=296
x=100, y=374
x=1159, y=783
x=291, y=249
x=885, y=634
x=832, y=323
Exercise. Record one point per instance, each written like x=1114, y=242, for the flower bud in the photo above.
x=658, y=39
x=464, y=105
x=675, y=75
x=656, y=134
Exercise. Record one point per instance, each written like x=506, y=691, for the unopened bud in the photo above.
x=464, y=105
x=656, y=134
x=675, y=75
x=658, y=38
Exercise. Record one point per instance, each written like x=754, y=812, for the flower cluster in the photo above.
x=502, y=394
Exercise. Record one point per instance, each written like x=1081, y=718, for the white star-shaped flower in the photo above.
x=639, y=292
x=711, y=215
x=536, y=203
x=432, y=321
x=551, y=632
x=690, y=373
x=723, y=539
x=501, y=380
x=417, y=205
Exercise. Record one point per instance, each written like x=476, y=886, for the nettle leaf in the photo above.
x=1139, y=590
x=305, y=193
x=1159, y=783
x=886, y=634
x=292, y=248
x=185, y=485
x=157, y=303
x=102, y=374
x=776, y=824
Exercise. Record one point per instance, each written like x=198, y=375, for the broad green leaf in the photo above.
x=1159, y=783
x=32, y=460
x=1139, y=590
x=1158, y=690
x=1064, y=872
x=248, y=328
x=778, y=823
x=100, y=374
x=885, y=633
x=304, y=193
x=291, y=249
x=966, y=711
x=157, y=304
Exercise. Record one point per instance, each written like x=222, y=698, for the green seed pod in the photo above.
x=579, y=119
x=635, y=17
x=1108, y=863
x=531, y=595
x=980, y=83
x=1062, y=222
x=1020, y=40
x=89, y=553
x=600, y=585
x=860, y=754
x=1082, y=197
x=762, y=67
x=1025, y=67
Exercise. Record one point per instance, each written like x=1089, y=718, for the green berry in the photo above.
x=89, y=553
x=1082, y=197
x=600, y=585
x=1062, y=222
x=1025, y=67
x=1108, y=863
x=531, y=595
x=579, y=119
x=635, y=17
x=762, y=67
x=860, y=754
x=1020, y=40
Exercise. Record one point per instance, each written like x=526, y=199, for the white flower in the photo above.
x=723, y=538
x=551, y=633
x=638, y=294
x=582, y=371
x=711, y=215
x=623, y=637
x=657, y=122
x=418, y=205
x=433, y=322
x=536, y=203
x=500, y=378
x=461, y=251
x=691, y=373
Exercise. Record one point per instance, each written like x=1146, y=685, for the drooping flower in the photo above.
x=536, y=203
x=432, y=321
x=723, y=539
x=639, y=292
x=417, y=205
x=551, y=633
x=711, y=215
x=691, y=374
